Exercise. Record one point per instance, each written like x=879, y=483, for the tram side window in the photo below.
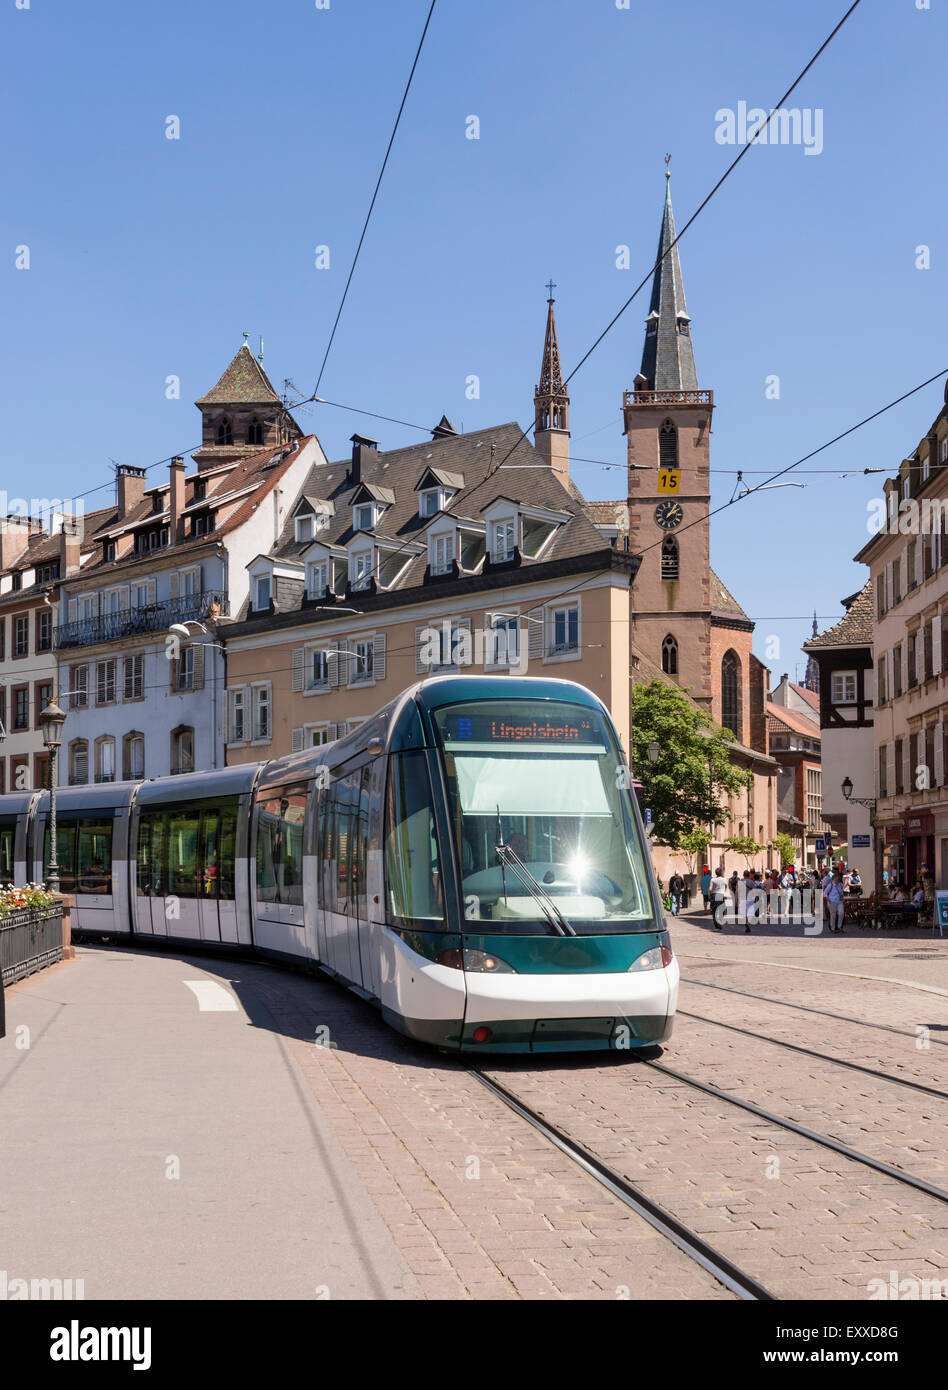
x=342, y=845
x=7, y=842
x=84, y=852
x=281, y=818
x=412, y=866
x=188, y=851
x=183, y=830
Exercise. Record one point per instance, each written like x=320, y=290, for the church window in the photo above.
x=668, y=446
x=225, y=432
x=255, y=432
x=670, y=656
x=669, y=558
x=731, y=693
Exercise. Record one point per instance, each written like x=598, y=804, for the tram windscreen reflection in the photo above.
x=547, y=782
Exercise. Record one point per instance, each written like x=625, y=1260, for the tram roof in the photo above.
x=92, y=796
x=447, y=690
x=198, y=786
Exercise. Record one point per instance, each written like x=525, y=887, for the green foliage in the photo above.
x=784, y=846
x=745, y=845
x=693, y=843
x=688, y=786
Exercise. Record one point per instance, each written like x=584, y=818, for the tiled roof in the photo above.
x=495, y=462
x=854, y=630
x=811, y=697
x=723, y=601
x=260, y=472
x=243, y=383
x=793, y=720
x=610, y=514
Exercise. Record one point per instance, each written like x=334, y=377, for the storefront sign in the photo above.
x=893, y=834
x=941, y=910
x=920, y=825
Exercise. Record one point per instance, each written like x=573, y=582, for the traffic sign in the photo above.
x=648, y=816
x=669, y=479
x=820, y=845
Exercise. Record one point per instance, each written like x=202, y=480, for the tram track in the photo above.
x=819, y=1056
x=661, y=1220
x=807, y=1008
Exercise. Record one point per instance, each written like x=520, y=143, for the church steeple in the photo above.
x=668, y=362
x=551, y=402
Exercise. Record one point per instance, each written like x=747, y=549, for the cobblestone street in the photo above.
x=441, y=1191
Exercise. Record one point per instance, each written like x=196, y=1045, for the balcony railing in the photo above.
x=668, y=398
x=129, y=622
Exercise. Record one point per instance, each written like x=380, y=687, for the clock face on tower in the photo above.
x=668, y=515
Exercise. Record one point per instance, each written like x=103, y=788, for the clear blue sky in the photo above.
x=149, y=256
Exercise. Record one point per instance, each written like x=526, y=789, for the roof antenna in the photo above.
x=245, y=343
x=260, y=353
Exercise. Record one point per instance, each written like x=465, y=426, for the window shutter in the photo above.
x=888, y=585
x=378, y=656
x=890, y=768
x=908, y=771
x=175, y=581
x=173, y=668
x=199, y=650
x=536, y=644
x=299, y=655
x=464, y=625
x=421, y=665
x=296, y=741
x=919, y=556
x=151, y=591
x=939, y=769
x=332, y=667
x=127, y=673
x=72, y=610
x=936, y=643
x=920, y=654
x=199, y=579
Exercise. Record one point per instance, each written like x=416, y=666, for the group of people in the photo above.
x=836, y=885
x=922, y=895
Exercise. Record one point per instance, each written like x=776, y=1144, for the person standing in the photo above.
x=706, y=886
x=834, y=900
x=676, y=886
x=718, y=890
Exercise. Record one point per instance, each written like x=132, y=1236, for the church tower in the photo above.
x=551, y=403
x=667, y=423
x=242, y=414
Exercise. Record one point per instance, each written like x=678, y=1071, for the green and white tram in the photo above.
x=471, y=859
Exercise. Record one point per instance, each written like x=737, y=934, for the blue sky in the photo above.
x=149, y=257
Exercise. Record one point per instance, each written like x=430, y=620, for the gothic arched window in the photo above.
x=668, y=446
x=225, y=433
x=255, y=432
x=670, y=656
x=731, y=694
x=669, y=558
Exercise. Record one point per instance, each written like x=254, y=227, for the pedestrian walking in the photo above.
x=834, y=900
x=676, y=886
x=718, y=889
x=706, y=886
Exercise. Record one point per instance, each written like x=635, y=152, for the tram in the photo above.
x=471, y=859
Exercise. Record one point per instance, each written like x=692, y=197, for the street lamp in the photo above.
x=847, y=790
x=182, y=631
x=51, y=721
x=653, y=752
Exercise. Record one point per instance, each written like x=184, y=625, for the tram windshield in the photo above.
x=539, y=788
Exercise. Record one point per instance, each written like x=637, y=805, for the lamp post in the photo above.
x=870, y=803
x=182, y=631
x=51, y=721
x=653, y=751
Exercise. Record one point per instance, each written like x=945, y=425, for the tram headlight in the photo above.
x=654, y=959
x=480, y=962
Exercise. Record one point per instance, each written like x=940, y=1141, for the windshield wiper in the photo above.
x=550, y=910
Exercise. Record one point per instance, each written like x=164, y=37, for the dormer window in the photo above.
x=364, y=516
x=503, y=540
x=200, y=490
x=441, y=554
x=317, y=579
x=360, y=573
x=429, y=502
x=261, y=593
x=108, y=550
x=304, y=528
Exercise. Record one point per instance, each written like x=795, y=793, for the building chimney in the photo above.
x=70, y=544
x=176, y=500
x=365, y=453
x=130, y=484
x=14, y=538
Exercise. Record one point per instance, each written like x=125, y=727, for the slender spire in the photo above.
x=550, y=399
x=668, y=362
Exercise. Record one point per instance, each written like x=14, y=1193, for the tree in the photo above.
x=783, y=844
x=687, y=787
x=745, y=845
x=693, y=843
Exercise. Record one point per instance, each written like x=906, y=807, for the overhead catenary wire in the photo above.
x=368, y=216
